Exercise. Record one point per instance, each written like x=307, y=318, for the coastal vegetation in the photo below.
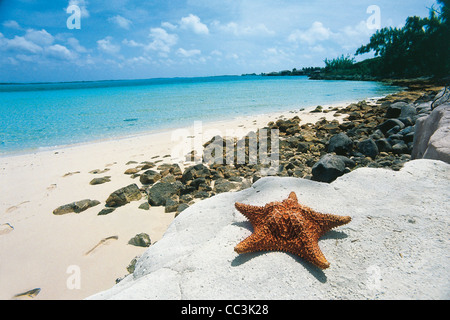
x=418, y=49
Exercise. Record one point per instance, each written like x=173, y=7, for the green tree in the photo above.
x=340, y=63
x=420, y=48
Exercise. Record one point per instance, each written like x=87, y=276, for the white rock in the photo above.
x=432, y=135
x=396, y=247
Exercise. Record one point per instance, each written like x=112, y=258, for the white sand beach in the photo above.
x=42, y=250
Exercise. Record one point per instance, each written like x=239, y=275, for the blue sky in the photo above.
x=125, y=39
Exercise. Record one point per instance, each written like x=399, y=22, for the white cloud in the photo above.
x=75, y=44
x=240, y=30
x=107, y=46
x=193, y=23
x=22, y=44
x=138, y=60
x=216, y=53
x=232, y=56
x=162, y=41
x=132, y=43
x=60, y=52
x=188, y=53
x=26, y=58
x=82, y=4
x=316, y=33
x=42, y=37
x=11, y=24
x=121, y=22
x=168, y=25
x=352, y=37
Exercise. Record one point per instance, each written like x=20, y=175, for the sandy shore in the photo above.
x=41, y=250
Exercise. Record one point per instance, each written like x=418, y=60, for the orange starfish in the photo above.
x=288, y=226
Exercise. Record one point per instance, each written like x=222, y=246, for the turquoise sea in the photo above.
x=40, y=116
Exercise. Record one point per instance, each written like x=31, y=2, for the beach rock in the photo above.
x=132, y=171
x=149, y=177
x=330, y=167
x=77, y=207
x=432, y=135
x=396, y=249
x=409, y=137
x=223, y=185
x=98, y=181
x=318, y=109
x=144, y=206
x=368, y=148
x=408, y=111
x=131, y=267
x=400, y=148
x=168, y=178
x=197, y=171
x=160, y=192
x=123, y=196
x=394, y=110
x=172, y=204
x=140, y=240
x=341, y=144
x=383, y=145
x=170, y=169
x=285, y=125
x=106, y=211
x=389, y=124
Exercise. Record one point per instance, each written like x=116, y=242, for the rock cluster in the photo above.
x=372, y=134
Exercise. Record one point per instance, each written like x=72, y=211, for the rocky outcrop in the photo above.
x=432, y=135
x=394, y=249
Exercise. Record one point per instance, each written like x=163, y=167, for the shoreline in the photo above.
x=209, y=123
x=42, y=249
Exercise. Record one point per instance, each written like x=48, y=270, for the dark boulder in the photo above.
x=368, y=148
x=330, y=167
x=341, y=144
x=383, y=145
x=194, y=172
x=395, y=109
x=389, y=124
x=400, y=148
x=149, y=177
x=123, y=196
x=160, y=192
x=141, y=240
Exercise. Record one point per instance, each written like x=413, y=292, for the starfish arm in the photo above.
x=311, y=252
x=255, y=242
x=253, y=213
x=333, y=221
x=326, y=222
x=293, y=196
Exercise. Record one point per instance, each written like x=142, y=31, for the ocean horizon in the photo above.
x=40, y=116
